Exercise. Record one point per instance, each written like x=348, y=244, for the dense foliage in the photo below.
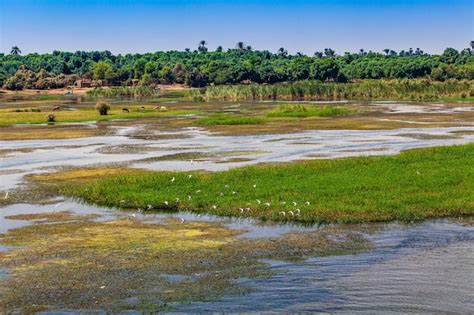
x=242, y=64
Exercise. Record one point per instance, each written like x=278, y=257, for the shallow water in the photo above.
x=427, y=268
x=267, y=148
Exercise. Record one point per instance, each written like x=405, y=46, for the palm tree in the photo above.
x=248, y=48
x=15, y=50
x=202, y=46
x=240, y=46
x=386, y=51
x=282, y=52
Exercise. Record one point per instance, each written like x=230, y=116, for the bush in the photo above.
x=102, y=107
x=51, y=118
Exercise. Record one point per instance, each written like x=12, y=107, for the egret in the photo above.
x=149, y=207
x=173, y=179
x=247, y=209
x=214, y=207
x=198, y=191
x=294, y=203
x=241, y=210
x=192, y=162
x=189, y=197
x=297, y=211
x=177, y=200
x=254, y=185
x=307, y=203
x=6, y=196
x=122, y=201
x=222, y=194
x=291, y=213
x=282, y=213
x=267, y=204
x=258, y=201
x=234, y=193
x=189, y=176
x=182, y=220
x=418, y=172
x=166, y=203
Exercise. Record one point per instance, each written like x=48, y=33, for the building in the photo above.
x=83, y=83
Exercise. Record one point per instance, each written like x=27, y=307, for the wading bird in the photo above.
x=282, y=213
x=6, y=196
x=307, y=203
x=173, y=179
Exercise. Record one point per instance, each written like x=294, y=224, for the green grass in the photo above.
x=301, y=111
x=414, y=185
x=466, y=99
x=9, y=117
x=227, y=119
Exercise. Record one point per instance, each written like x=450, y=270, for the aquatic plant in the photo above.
x=301, y=110
x=316, y=90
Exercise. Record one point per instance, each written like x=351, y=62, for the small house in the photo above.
x=83, y=83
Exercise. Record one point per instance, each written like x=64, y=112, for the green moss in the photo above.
x=227, y=119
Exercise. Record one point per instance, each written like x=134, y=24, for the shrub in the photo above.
x=102, y=107
x=51, y=118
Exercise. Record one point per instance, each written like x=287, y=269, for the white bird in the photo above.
x=182, y=220
x=234, y=193
x=267, y=204
x=214, y=207
x=149, y=207
x=297, y=211
x=291, y=213
x=189, y=176
x=173, y=179
x=122, y=201
x=226, y=186
x=255, y=186
x=198, y=191
x=189, y=197
x=6, y=196
x=258, y=201
x=418, y=172
x=192, y=162
x=241, y=210
x=222, y=194
x=166, y=203
x=132, y=216
x=177, y=200
x=307, y=203
x=283, y=202
x=247, y=209
x=282, y=213
x=294, y=203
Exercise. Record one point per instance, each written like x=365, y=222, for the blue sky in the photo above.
x=125, y=26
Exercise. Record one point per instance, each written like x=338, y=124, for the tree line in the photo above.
x=242, y=64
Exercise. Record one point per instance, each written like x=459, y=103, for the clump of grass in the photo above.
x=301, y=111
x=102, y=108
x=414, y=185
x=226, y=119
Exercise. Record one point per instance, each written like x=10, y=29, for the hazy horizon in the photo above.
x=299, y=26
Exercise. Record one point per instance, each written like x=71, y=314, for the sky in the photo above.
x=126, y=26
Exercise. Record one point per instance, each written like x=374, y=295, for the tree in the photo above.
x=240, y=47
x=219, y=49
x=329, y=52
x=15, y=51
x=450, y=55
x=179, y=73
x=101, y=71
x=282, y=52
x=386, y=51
x=202, y=46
